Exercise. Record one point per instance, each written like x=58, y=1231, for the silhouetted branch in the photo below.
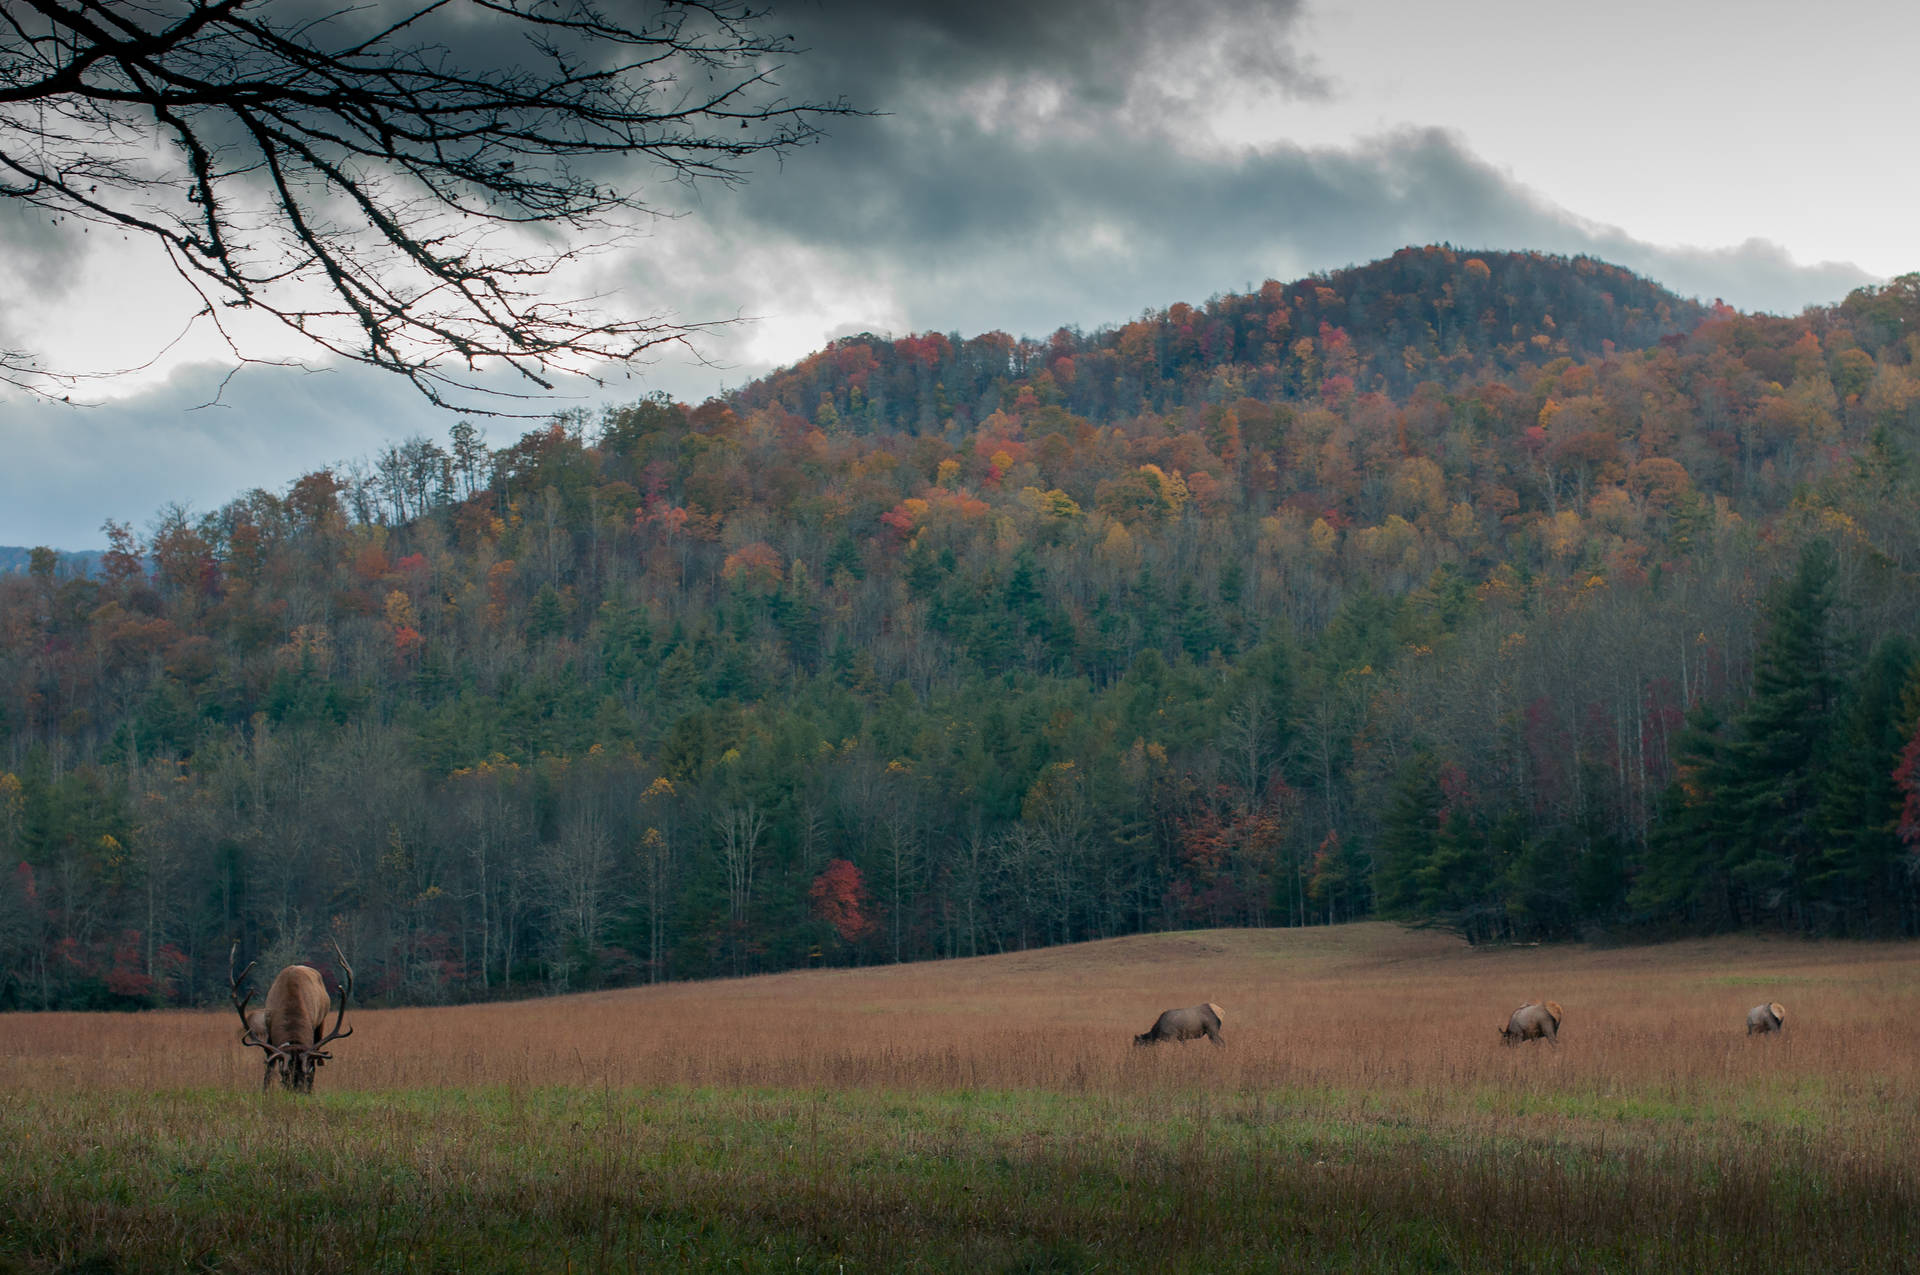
x=395, y=182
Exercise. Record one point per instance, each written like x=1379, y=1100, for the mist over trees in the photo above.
x=1499, y=592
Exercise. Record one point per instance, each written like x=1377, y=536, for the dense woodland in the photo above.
x=1501, y=592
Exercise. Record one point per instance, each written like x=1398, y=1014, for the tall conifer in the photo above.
x=1772, y=765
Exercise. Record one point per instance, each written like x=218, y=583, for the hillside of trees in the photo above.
x=1501, y=592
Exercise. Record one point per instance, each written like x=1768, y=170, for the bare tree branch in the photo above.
x=396, y=182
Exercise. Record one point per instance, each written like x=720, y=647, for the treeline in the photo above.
x=1526, y=638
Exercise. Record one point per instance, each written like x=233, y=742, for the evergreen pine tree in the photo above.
x=1684, y=879
x=1856, y=863
x=547, y=615
x=1543, y=884
x=1771, y=767
x=1456, y=885
x=1409, y=835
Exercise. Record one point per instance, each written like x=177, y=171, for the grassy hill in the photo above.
x=991, y=1114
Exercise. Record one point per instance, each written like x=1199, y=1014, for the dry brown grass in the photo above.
x=1367, y=1008
x=993, y=1113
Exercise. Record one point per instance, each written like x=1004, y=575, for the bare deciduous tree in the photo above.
x=394, y=181
x=577, y=867
x=740, y=828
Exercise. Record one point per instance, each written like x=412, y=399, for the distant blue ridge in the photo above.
x=83, y=562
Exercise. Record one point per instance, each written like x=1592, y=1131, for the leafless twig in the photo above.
x=394, y=182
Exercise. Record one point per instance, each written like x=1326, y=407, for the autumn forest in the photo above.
x=1502, y=593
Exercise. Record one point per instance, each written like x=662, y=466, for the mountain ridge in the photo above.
x=19, y=558
x=1430, y=313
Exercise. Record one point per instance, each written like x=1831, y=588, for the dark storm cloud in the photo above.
x=895, y=57
x=1036, y=165
x=973, y=230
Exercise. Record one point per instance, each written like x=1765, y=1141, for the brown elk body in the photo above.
x=1535, y=1020
x=1185, y=1024
x=289, y=1031
x=1770, y=1017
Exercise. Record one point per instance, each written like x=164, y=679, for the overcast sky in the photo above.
x=1077, y=162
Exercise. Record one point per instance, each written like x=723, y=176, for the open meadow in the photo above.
x=992, y=1114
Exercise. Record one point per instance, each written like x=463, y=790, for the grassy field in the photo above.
x=991, y=1115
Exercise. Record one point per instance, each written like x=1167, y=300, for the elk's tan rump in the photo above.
x=1535, y=1020
x=1770, y=1017
x=1184, y=1025
x=291, y=1031
x=297, y=1005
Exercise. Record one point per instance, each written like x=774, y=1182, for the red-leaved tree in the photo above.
x=1906, y=777
x=839, y=897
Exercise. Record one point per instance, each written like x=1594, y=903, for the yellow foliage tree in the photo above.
x=1118, y=548
x=1563, y=534
x=399, y=609
x=1323, y=538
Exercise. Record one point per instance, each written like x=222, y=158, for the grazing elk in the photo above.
x=1770, y=1017
x=1535, y=1020
x=289, y=1029
x=1184, y=1025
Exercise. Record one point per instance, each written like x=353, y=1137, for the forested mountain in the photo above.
x=1415, y=318
x=1498, y=591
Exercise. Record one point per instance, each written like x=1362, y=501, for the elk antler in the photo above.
x=346, y=990
x=239, y=1002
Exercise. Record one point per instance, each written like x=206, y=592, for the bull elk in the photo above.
x=289, y=1030
x=1184, y=1025
x=1770, y=1017
x=1535, y=1020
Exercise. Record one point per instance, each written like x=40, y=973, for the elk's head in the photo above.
x=289, y=1032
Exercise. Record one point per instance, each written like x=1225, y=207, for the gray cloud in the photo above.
x=898, y=56
x=41, y=253
x=971, y=229
x=1755, y=275
x=1038, y=166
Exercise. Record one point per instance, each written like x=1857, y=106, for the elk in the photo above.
x=1184, y=1025
x=1771, y=1017
x=289, y=1030
x=1535, y=1020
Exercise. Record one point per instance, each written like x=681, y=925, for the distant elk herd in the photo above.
x=290, y=1029
x=1535, y=1020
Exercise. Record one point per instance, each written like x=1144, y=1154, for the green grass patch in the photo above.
x=502, y=1178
